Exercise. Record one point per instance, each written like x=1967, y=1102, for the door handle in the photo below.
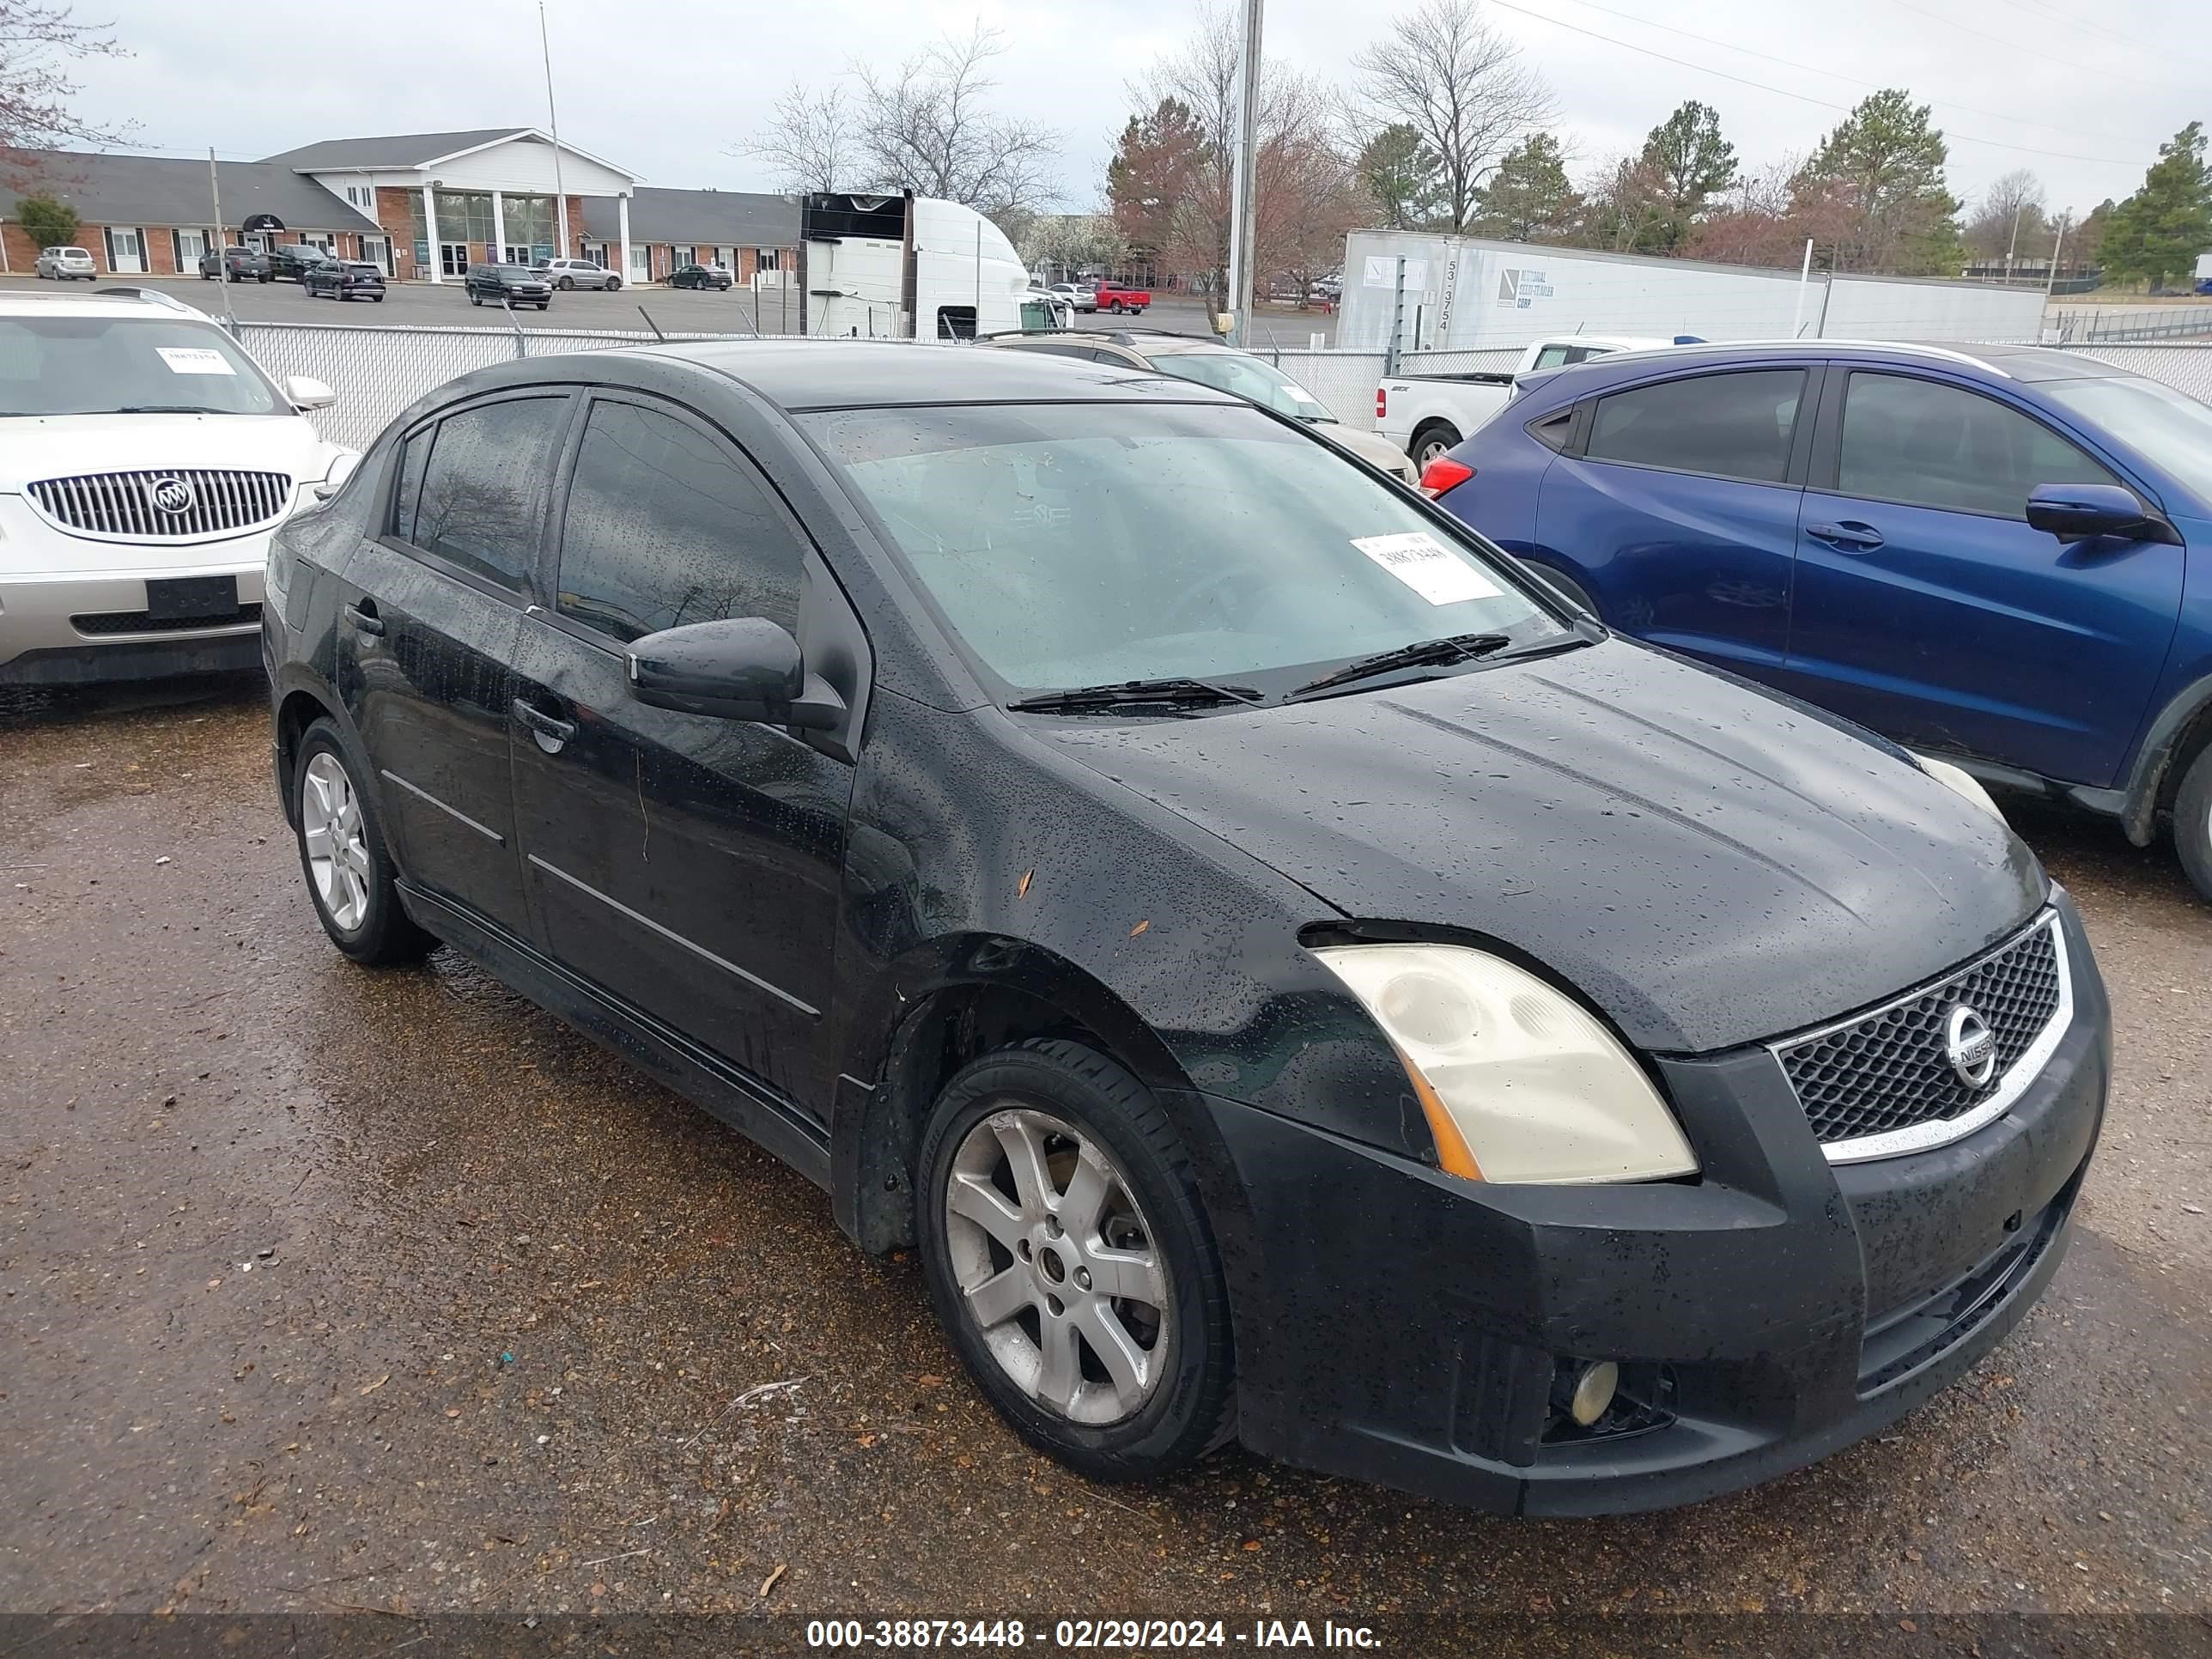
x=363, y=616
x=1849, y=536
x=551, y=732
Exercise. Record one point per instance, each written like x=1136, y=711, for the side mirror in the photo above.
x=306, y=393
x=746, y=668
x=2078, y=513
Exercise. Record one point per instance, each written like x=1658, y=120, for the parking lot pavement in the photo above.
x=322, y=1288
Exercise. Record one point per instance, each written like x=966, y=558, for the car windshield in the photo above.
x=2168, y=429
x=85, y=365
x=1244, y=377
x=1086, y=544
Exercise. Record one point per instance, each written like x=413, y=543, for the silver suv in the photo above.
x=565, y=274
x=61, y=263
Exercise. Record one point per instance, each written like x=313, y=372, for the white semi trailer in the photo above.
x=906, y=267
x=1466, y=293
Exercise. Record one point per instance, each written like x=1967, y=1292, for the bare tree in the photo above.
x=928, y=127
x=2009, y=217
x=809, y=140
x=35, y=94
x=1461, y=85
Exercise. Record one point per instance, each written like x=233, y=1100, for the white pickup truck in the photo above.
x=1425, y=414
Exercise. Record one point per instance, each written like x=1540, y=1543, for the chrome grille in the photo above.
x=125, y=506
x=1882, y=1083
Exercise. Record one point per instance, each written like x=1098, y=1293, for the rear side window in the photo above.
x=1551, y=356
x=481, y=488
x=666, y=527
x=1932, y=444
x=1728, y=426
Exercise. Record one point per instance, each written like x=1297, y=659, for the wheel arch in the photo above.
x=950, y=1002
x=300, y=702
x=2181, y=732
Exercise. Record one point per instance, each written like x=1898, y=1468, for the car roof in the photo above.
x=1160, y=341
x=105, y=304
x=801, y=374
x=2007, y=361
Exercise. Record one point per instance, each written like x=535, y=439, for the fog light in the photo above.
x=1592, y=1391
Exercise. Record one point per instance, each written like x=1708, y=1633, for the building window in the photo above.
x=362, y=195
x=764, y=258
x=126, y=250
x=190, y=245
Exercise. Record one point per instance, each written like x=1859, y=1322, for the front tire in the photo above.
x=2192, y=821
x=614, y=284
x=1070, y=1260
x=349, y=873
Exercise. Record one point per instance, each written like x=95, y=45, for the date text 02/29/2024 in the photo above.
x=1078, y=1634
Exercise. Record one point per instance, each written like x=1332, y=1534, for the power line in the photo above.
x=1802, y=97
x=1983, y=34
x=1852, y=80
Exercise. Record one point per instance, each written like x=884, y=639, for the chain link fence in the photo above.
x=2115, y=324
x=377, y=371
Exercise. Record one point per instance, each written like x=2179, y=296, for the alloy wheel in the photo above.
x=330, y=830
x=1058, y=1266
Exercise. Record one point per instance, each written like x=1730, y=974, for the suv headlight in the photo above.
x=1518, y=1081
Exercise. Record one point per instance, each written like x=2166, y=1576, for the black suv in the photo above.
x=516, y=285
x=1327, y=990
x=245, y=264
x=292, y=261
x=344, y=279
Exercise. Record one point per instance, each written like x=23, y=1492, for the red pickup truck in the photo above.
x=1112, y=296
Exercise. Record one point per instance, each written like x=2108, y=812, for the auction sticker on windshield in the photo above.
x=1428, y=567
x=195, y=359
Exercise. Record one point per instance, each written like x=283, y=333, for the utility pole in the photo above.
x=1244, y=189
x=2050, y=276
x=222, y=238
x=553, y=116
x=2013, y=246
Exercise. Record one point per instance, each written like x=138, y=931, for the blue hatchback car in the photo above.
x=1999, y=554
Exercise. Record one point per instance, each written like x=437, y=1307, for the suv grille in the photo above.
x=1889, y=1070
x=150, y=506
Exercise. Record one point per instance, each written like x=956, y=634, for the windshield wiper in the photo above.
x=162, y=409
x=1172, y=689
x=1457, y=647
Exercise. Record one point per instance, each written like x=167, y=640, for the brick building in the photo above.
x=420, y=206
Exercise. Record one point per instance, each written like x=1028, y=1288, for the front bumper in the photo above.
x=78, y=629
x=1395, y=1324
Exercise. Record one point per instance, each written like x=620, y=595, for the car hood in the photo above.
x=1711, y=864
x=63, y=445
x=1371, y=447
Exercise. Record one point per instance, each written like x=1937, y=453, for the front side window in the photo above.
x=127, y=365
x=1081, y=545
x=483, y=486
x=1726, y=426
x=665, y=526
x=1932, y=444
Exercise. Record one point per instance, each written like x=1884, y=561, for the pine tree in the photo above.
x=1528, y=199
x=1880, y=174
x=2158, y=232
x=1404, y=176
x=1690, y=163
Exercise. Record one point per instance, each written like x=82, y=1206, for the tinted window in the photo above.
x=481, y=492
x=1551, y=356
x=665, y=526
x=1732, y=426
x=1940, y=446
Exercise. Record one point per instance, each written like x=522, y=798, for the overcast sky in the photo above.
x=668, y=87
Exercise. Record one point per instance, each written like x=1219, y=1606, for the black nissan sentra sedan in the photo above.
x=1291, y=977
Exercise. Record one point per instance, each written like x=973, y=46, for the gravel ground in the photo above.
x=323, y=1288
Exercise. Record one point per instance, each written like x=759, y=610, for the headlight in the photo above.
x=1960, y=781
x=1519, y=1082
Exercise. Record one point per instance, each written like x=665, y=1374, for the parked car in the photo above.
x=714, y=277
x=565, y=274
x=1426, y=415
x=1222, y=368
x=1205, y=900
x=512, y=285
x=290, y=262
x=64, y=265
x=240, y=264
x=148, y=460
x=344, y=279
x=1078, y=296
x=1992, y=553
x=1112, y=296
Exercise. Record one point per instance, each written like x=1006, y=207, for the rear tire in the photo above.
x=1115, y=1168
x=1431, y=440
x=566, y=284
x=2192, y=821
x=350, y=878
